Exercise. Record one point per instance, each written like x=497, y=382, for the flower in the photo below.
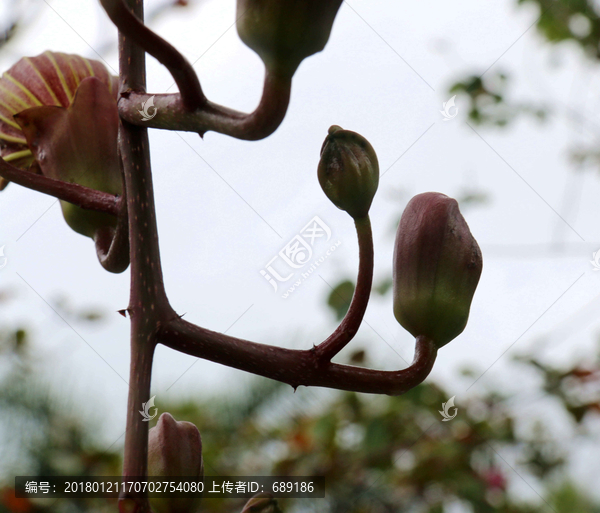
x=59, y=117
x=437, y=265
x=47, y=79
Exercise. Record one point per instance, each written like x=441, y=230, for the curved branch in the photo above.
x=171, y=113
x=182, y=71
x=352, y=320
x=295, y=367
x=84, y=197
x=112, y=244
x=112, y=247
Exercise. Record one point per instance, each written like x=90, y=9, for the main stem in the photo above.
x=148, y=305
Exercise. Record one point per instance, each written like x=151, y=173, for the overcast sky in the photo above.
x=227, y=207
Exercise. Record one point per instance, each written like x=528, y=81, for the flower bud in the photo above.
x=437, y=265
x=348, y=171
x=261, y=503
x=283, y=33
x=174, y=450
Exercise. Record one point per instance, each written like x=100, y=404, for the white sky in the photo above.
x=226, y=207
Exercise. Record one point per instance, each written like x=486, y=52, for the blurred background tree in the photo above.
x=489, y=95
x=377, y=453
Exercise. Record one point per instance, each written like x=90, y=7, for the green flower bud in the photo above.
x=284, y=32
x=175, y=449
x=437, y=265
x=348, y=171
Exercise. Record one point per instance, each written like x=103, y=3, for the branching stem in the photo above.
x=181, y=70
x=148, y=305
x=171, y=113
x=84, y=197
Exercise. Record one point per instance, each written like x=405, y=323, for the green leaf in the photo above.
x=340, y=298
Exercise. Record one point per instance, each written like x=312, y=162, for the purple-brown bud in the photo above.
x=174, y=450
x=283, y=33
x=261, y=503
x=348, y=171
x=437, y=265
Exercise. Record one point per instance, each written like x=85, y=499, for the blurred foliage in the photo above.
x=488, y=103
x=340, y=297
x=578, y=388
x=16, y=15
x=575, y=20
x=377, y=453
x=42, y=432
x=559, y=21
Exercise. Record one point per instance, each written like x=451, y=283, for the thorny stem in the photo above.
x=308, y=367
x=296, y=367
x=84, y=197
x=148, y=304
x=353, y=318
x=189, y=110
x=152, y=318
x=171, y=113
x=181, y=70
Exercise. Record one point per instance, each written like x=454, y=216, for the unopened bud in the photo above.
x=174, y=450
x=348, y=171
x=283, y=33
x=437, y=265
x=261, y=503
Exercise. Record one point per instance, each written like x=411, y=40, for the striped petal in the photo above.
x=51, y=79
x=78, y=144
